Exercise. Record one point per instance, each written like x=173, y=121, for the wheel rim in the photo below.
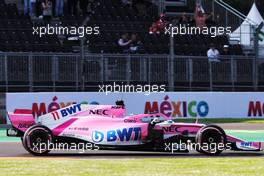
x=211, y=137
x=38, y=140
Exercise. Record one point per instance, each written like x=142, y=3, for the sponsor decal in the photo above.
x=11, y=132
x=255, y=109
x=74, y=109
x=178, y=108
x=42, y=108
x=99, y=112
x=246, y=144
x=97, y=136
x=69, y=135
x=55, y=115
x=79, y=128
x=70, y=110
x=175, y=129
x=117, y=107
x=125, y=134
x=170, y=129
x=66, y=111
x=130, y=121
x=25, y=125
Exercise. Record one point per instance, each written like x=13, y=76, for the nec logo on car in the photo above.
x=118, y=134
x=66, y=111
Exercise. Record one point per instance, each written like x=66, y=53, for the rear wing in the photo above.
x=21, y=121
x=81, y=110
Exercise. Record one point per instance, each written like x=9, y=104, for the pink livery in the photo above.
x=107, y=127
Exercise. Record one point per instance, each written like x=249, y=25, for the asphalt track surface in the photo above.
x=16, y=150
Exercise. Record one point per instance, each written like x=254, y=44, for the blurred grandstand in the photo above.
x=58, y=63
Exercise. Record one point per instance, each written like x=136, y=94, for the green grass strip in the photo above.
x=131, y=167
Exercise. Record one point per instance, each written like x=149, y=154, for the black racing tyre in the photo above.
x=37, y=140
x=211, y=140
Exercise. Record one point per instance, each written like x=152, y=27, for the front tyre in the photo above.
x=211, y=140
x=37, y=140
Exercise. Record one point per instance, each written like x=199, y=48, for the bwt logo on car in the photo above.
x=42, y=108
x=246, y=144
x=178, y=108
x=118, y=134
x=66, y=111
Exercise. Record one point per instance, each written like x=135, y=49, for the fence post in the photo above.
x=255, y=60
x=102, y=70
x=211, y=76
x=77, y=73
x=149, y=70
x=232, y=74
x=213, y=8
x=255, y=74
x=82, y=52
x=30, y=72
x=54, y=72
x=171, y=65
x=190, y=77
x=106, y=78
x=226, y=18
x=128, y=69
x=161, y=6
x=143, y=69
x=6, y=72
x=171, y=73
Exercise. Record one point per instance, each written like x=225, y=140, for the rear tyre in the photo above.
x=37, y=140
x=211, y=140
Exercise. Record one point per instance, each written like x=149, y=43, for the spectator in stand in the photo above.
x=27, y=7
x=226, y=50
x=59, y=7
x=175, y=21
x=200, y=17
x=141, y=6
x=91, y=6
x=83, y=4
x=213, y=54
x=72, y=7
x=210, y=20
x=192, y=21
x=38, y=11
x=154, y=29
x=33, y=7
x=53, y=6
x=124, y=43
x=47, y=11
x=218, y=21
x=127, y=3
x=158, y=26
x=135, y=45
x=184, y=21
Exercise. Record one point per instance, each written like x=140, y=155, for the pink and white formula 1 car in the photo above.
x=106, y=126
